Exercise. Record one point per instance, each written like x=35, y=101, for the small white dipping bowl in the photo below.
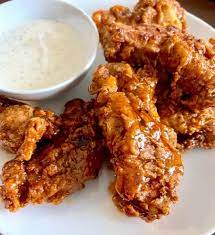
x=20, y=12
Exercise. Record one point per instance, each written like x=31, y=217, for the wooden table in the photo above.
x=204, y=9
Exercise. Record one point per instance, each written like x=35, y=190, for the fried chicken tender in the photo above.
x=59, y=168
x=186, y=87
x=22, y=126
x=162, y=12
x=187, y=60
x=143, y=154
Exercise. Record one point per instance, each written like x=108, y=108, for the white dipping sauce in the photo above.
x=39, y=55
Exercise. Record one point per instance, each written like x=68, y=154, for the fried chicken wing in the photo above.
x=162, y=12
x=143, y=154
x=59, y=168
x=22, y=126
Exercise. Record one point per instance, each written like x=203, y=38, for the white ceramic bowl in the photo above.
x=19, y=12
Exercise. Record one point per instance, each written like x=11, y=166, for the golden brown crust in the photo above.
x=22, y=127
x=161, y=12
x=59, y=168
x=194, y=129
x=143, y=154
x=186, y=86
x=197, y=128
x=187, y=59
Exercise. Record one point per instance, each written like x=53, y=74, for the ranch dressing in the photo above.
x=40, y=54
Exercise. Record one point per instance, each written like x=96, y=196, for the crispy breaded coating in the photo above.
x=59, y=168
x=23, y=126
x=188, y=61
x=143, y=154
x=186, y=86
x=195, y=129
x=162, y=12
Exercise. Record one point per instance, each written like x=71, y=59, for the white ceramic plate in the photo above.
x=91, y=211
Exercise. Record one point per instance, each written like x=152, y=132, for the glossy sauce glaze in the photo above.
x=143, y=151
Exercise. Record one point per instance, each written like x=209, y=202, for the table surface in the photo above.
x=204, y=9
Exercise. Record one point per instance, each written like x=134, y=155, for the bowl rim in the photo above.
x=71, y=79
